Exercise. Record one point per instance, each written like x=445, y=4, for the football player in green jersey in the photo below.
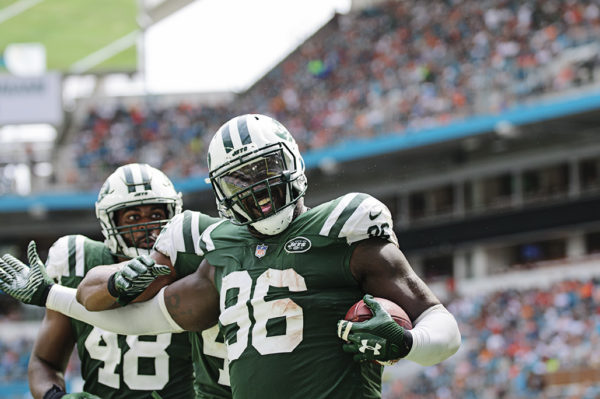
x=133, y=204
x=278, y=277
x=179, y=242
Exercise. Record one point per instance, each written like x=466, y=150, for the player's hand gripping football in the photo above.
x=80, y=395
x=29, y=284
x=129, y=282
x=380, y=338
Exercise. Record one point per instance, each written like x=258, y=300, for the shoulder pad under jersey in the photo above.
x=356, y=217
x=182, y=234
x=66, y=257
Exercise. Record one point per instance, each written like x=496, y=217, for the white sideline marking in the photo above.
x=16, y=8
x=96, y=58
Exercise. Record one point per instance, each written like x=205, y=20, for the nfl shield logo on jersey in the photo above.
x=261, y=250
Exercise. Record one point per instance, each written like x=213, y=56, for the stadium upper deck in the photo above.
x=395, y=70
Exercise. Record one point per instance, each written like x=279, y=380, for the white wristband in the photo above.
x=143, y=318
x=435, y=336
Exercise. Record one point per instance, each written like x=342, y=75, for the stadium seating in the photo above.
x=529, y=343
x=395, y=70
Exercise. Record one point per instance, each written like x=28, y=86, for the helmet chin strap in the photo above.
x=276, y=223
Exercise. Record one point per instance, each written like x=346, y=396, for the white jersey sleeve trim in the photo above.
x=79, y=256
x=196, y=232
x=210, y=245
x=370, y=219
x=170, y=240
x=57, y=264
x=335, y=214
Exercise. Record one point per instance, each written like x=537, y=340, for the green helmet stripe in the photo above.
x=188, y=241
x=129, y=178
x=242, y=125
x=346, y=213
x=145, y=177
x=227, y=143
x=72, y=256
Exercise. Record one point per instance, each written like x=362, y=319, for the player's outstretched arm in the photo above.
x=191, y=303
x=382, y=270
x=192, y=300
x=138, y=279
x=50, y=355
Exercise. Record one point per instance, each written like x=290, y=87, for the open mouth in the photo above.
x=265, y=205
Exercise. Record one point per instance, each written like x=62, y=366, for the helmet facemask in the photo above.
x=134, y=185
x=128, y=239
x=259, y=188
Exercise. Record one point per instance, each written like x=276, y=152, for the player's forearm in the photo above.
x=150, y=317
x=435, y=337
x=93, y=292
x=42, y=376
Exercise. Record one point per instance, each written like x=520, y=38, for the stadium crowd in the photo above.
x=513, y=340
x=14, y=357
x=396, y=69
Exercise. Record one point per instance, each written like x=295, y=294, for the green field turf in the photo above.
x=73, y=29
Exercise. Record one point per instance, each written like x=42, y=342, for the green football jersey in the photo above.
x=119, y=366
x=281, y=298
x=179, y=240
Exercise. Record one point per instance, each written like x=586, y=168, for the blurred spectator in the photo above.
x=14, y=357
x=512, y=341
x=395, y=69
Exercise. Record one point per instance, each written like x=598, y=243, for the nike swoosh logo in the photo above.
x=374, y=216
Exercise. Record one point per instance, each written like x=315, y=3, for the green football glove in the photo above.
x=28, y=284
x=80, y=395
x=380, y=338
x=129, y=282
x=57, y=392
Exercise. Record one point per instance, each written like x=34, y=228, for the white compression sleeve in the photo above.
x=142, y=318
x=435, y=336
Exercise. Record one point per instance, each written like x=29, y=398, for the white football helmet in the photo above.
x=257, y=173
x=132, y=185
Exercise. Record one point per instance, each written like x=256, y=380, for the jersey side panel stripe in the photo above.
x=79, y=256
x=196, y=232
x=72, y=255
x=335, y=214
x=188, y=241
x=346, y=213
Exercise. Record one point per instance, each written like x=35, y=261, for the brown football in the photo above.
x=361, y=312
